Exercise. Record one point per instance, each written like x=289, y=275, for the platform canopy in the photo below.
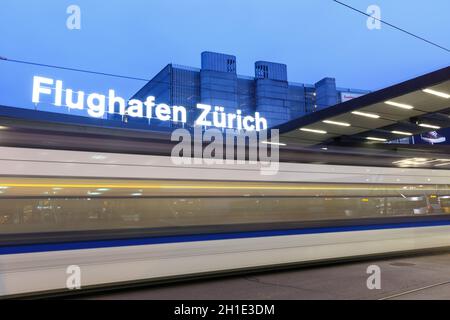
x=412, y=107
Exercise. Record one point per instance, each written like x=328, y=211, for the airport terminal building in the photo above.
x=216, y=83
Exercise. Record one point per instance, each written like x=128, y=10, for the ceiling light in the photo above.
x=418, y=162
x=136, y=194
x=402, y=133
x=442, y=164
x=426, y=125
x=437, y=93
x=274, y=143
x=313, y=130
x=400, y=105
x=343, y=124
x=375, y=139
x=364, y=114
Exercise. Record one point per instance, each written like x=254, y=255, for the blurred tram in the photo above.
x=132, y=218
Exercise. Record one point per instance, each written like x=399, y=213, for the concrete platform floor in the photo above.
x=414, y=277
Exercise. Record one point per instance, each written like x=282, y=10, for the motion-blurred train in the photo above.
x=125, y=219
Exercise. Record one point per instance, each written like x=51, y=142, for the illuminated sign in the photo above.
x=346, y=96
x=97, y=105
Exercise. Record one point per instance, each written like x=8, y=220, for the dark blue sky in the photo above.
x=315, y=38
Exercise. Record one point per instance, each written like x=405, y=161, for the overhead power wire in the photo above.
x=73, y=69
x=393, y=26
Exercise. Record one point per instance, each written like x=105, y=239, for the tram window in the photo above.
x=408, y=205
x=79, y=208
x=35, y=215
x=444, y=203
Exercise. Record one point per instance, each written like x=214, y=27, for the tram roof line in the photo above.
x=391, y=113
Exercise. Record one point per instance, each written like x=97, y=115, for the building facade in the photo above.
x=217, y=83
